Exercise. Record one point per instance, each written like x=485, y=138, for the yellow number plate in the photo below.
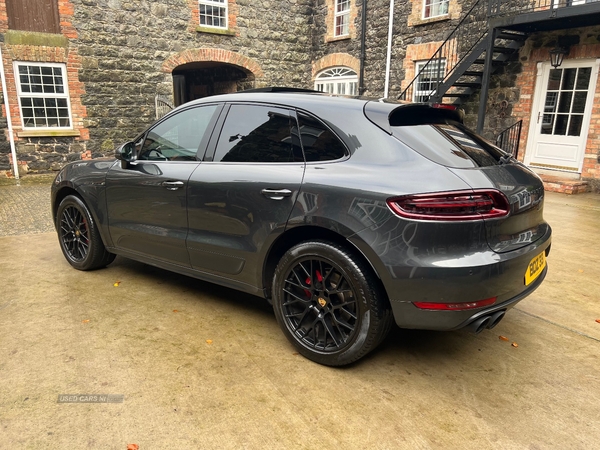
x=536, y=266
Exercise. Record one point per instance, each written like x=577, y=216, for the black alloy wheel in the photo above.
x=329, y=304
x=79, y=238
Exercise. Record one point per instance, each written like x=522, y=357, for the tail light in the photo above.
x=453, y=206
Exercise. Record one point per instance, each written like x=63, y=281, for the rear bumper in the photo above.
x=412, y=317
x=503, y=280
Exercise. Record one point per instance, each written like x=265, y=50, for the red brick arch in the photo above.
x=248, y=65
x=333, y=60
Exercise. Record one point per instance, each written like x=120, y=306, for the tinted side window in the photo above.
x=319, y=143
x=253, y=133
x=178, y=137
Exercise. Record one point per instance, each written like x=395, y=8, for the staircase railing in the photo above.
x=509, y=139
x=162, y=105
x=468, y=33
x=512, y=7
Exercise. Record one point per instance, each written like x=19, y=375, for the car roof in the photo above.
x=382, y=112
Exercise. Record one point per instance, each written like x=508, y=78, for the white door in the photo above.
x=560, y=116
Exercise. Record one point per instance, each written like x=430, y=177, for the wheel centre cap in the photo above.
x=322, y=302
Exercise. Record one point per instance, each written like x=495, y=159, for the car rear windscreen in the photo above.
x=451, y=145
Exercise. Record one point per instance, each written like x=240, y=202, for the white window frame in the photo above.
x=436, y=8
x=418, y=92
x=43, y=95
x=337, y=80
x=343, y=15
x=221, y=4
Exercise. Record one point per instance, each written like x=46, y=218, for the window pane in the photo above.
x=569, y=79
x=583, y=78
x=564, y=105
x=575, y=125
x=319, y=143
x=46, y=96
x=429, y=76
x=551, y=100
x=554, y=79
x=256, y=134
x=561, y=124
x=342, y=5
x=213, y=13
x=178, y=138
x=579, y=102
x=341, y=25
x=547, y=124
x=434, y=8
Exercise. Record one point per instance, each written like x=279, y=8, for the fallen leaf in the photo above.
x=133, y=447
x=175, y=310
x=514, y=344
x=598, y=320
x=295, y=353
x=117, y=283
x=580, y=270
x=85, y=321
x=503, y=338
x=209, y=341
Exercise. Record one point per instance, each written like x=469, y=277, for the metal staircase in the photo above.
x=488, y=37
x=465, y=60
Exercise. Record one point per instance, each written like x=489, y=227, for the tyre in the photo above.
x=79, y=237
x=329, y=304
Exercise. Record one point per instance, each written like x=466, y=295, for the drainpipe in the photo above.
x=8, y=118
x=363, y=39
x=388, y=61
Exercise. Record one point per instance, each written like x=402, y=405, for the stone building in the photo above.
x=83, y=76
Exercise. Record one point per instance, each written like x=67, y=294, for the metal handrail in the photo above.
x=456, y=47
x=508, y=140
x=513, y=7
x=163, y=105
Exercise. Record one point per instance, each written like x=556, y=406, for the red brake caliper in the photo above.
x=309, y=281
x=306, y=291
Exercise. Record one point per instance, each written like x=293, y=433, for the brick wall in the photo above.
x=50, y=150
x=537, y=51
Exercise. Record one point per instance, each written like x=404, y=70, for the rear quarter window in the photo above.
x=318, y=141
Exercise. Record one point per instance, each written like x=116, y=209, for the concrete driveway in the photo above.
x=193, y=365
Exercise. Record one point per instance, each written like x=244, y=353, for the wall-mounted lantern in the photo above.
x=557, y=55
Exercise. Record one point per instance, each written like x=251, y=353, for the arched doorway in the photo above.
x=202, y=72
x=201, y=79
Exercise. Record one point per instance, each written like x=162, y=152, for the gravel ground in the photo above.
x=25, y=206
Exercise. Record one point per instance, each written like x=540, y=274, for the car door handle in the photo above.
x=276, y=194
x=172, y=185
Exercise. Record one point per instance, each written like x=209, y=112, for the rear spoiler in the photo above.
x=387, y=115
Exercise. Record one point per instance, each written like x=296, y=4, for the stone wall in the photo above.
x=121, y=54
x=125, y=44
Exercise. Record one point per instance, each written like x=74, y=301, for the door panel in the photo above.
x=147, y=200
x=147, y=210
x=240, y=200
x=561, y=115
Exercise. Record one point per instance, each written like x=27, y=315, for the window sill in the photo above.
x=337, y=38
x=48, y=133
x=220, y=31
x=429, y=20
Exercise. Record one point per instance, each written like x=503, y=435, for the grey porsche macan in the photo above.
x=345, y=214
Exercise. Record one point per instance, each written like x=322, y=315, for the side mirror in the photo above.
x=126, y=154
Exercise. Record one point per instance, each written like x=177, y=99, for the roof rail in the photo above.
x=282, y=89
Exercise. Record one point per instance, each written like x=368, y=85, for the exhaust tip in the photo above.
x=495, y=319
x=477, y=326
